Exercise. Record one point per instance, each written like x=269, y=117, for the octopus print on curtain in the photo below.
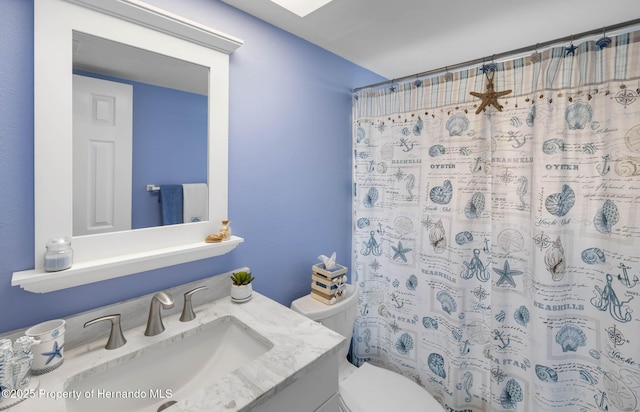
x=498, y=255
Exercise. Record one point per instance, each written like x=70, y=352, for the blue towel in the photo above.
x=171, y=203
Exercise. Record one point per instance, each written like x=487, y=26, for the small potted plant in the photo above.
x=241, y=288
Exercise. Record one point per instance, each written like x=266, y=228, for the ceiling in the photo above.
x=397, y=38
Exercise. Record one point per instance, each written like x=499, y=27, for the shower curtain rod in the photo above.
x=535, y=47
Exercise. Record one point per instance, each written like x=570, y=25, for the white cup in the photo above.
x=48, y=349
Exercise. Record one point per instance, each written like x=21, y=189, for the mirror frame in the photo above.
x=110, y=255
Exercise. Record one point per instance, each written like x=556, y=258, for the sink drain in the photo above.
x=166, y=405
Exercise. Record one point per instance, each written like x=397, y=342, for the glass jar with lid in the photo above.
x=59, y=255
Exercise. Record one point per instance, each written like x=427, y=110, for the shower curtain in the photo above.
x=498, y=254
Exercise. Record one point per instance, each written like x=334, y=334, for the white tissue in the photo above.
x=329, y=262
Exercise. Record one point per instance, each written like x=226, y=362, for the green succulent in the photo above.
x=241, y=278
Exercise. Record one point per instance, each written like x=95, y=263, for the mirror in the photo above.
x=139, y=120
x=143, y=27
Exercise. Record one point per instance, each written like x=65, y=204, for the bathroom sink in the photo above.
x=168, y=370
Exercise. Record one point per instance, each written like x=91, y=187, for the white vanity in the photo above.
x=255, y=356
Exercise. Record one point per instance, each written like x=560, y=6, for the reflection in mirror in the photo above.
x=139, y=119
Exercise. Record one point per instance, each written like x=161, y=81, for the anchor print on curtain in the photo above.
x=498, y=255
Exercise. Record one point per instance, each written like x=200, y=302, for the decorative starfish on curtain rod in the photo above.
x=490, y=98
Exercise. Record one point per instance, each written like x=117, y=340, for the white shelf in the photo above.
x=83, y=273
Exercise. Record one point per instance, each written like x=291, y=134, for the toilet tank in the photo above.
x=338, y=317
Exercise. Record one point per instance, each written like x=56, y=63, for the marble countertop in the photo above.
x=298, y=344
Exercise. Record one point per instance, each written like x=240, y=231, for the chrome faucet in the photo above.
x=187, y=310
x=154, y=323
x=116, y=338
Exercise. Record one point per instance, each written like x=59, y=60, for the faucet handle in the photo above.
x=187, y=310
x=116, y=338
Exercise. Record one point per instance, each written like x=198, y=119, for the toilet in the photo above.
x=368, y=388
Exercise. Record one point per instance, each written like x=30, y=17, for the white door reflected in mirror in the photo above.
x=102, y=155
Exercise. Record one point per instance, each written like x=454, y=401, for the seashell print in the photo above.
x=371, y=197
x=546, y=374
x=559, y=204
x=511, y=395
x=501, y=316
x=436, y=364
x=447, y=302
x=510, y=240
x=594, y=354
x=521, y=315
x=404, y=344
x=405, y=131
x=402, y=225
x=436, y=150
x=632, y=139
x=593, y=256
x=578, y=115
x=463, y=238
x=429, y=323
x=386, y=152
x=587, y=377
x=395, y=283
x=628, y=166
x=475, y=207
x=589, y=148
x=441, y=194
x=531, y=117
x=412, y=282
x=457, y=335
x=515, y=122
x=570, y=338
x=417, y=128
x=553, y=146
x=362, y=222
x=620, y=396
x=606, y=217
x=360, y=134
x=478, y=332
x=554, y=259
x=457, y=124
x=437, y=237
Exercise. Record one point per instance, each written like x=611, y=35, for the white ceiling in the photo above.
x=396, y=38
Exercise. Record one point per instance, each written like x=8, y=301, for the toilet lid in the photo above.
x=374, y=389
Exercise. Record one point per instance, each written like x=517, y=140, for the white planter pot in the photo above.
x=241, y=293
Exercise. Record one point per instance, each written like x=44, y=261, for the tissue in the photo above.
x=329, y=262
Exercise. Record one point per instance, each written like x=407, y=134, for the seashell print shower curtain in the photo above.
x=498, y=254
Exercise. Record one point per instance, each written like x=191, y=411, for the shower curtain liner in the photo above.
x=498, y=255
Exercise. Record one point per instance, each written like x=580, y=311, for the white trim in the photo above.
x=146, y=15
x=115, y=254
x=39, y=281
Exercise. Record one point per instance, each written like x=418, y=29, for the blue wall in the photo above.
x=289, y=148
